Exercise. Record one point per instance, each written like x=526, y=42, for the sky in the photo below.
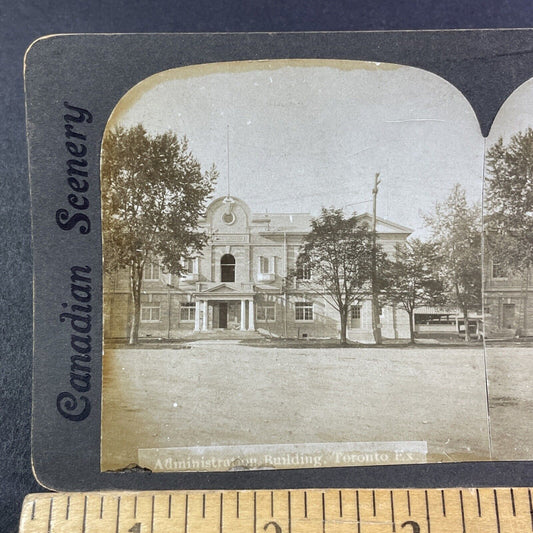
x=306, y=134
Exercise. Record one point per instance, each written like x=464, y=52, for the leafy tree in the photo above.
x=509, y=201
x=413, y=278
x=338, y=252
x=153, y=193
x=457, y=236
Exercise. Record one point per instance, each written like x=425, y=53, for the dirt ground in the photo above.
x=510, y=369
x=226, y=393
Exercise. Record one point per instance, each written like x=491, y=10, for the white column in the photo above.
x=251, y=315
x=205, y=316
x=243, y=315
x=197, y=316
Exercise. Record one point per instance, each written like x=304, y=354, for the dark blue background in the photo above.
x=22, y=22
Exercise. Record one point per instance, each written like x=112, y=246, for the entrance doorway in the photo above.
x=509, y=316
x=222, y=315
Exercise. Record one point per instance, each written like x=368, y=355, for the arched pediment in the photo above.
x=228, y=214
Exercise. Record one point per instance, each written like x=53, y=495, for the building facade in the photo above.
x=508, y=302
x=239, y=283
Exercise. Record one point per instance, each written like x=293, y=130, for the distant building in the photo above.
x=239, y=283
x=508, y=301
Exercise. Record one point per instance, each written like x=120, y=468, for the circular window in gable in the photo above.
x=228, y=218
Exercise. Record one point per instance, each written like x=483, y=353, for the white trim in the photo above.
x=190, y=306
x=150, y=306
x=150, y=266
x=304, y=306
x=268, y=306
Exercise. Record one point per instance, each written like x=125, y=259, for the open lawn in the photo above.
x=224, y=393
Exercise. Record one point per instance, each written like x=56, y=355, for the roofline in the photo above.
x=404, y=229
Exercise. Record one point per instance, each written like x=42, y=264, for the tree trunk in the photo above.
x=467, y=328
x=411, y=314
x=344, y=323
x=376, y=325
x=135, y=285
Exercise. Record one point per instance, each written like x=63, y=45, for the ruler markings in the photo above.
x=220, y=525
x=468, y=507
x=392, y=512
x=530, y=507
x=50, y=510
x=427, y=512
x=497, y=511
x=255, y=512
x=358, y=511
x=323, y=512
x=462, y=511
x=289, y=510
x=118, y=513
x=84, y=526
x=186, y=513
x=153, y=509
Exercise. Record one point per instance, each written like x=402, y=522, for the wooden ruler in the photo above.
x=486, y=510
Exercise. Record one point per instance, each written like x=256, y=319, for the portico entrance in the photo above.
x=226, y=315
x=231, y=311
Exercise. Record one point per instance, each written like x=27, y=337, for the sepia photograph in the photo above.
x=508, y=285
x=299, y=270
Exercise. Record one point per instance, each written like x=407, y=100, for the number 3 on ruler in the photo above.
x=135, y=528
x=414, y=525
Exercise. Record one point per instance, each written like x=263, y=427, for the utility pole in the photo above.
x=376, y=326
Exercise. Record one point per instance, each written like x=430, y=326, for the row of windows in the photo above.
x=153, y=271
x=303, y=311
x=267, y=265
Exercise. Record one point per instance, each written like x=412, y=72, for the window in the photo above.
x=191, y=266
x=264, y=265
x=187, y=311
x=150, y=311
x=303, y=273
x=303, y=311
x=355, y=316
x=266, y=269
x=266, y=313
x=227, y=268
x=498, y=270
x=151, y=272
